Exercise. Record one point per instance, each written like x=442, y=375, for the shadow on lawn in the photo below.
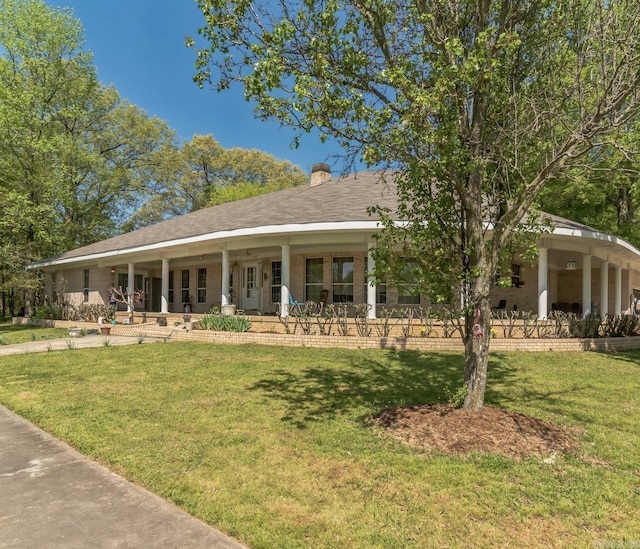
x=368, y=386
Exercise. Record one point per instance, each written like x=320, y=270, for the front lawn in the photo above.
x=273, y=445
x=11, y=334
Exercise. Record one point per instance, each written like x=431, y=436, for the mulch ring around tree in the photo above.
x=445, y=429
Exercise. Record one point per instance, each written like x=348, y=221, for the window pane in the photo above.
x=342, y=275
x=186, y=298
x=202, y=285
x=406, y=292
x=313, y=279
x=276, y=281
x=314, y=271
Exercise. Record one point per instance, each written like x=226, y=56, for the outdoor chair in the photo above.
x=295, y=306
x=502, y=305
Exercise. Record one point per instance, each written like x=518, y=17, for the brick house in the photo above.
x=257, y=252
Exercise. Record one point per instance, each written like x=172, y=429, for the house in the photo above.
x=257, y=252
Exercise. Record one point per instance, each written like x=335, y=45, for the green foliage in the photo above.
x=620, y=326
x=477, y=105
x=74, y=159
x=202, y=173
x=606, y=193
x=225, y=323
x=587, y=327
x=457, y=396
x=91, y=311
x=50, y=312
x=276, y=446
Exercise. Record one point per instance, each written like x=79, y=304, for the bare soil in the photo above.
x=445, y=429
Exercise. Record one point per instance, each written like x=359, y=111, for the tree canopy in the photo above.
x=202, y=173
x=78, y=163
x=477, y=105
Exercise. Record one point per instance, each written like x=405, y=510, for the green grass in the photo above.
x=273, y=446
x=11, y=334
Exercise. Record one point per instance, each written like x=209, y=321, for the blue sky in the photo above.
x=138, y=46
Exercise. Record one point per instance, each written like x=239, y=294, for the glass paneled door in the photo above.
x=249, y=287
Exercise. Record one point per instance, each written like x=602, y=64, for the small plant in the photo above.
x=106, y=342
x=33, y=336
x=456, y=398
x=225, y=323
x=3, y=340
x=140, y=338
x=70, y=344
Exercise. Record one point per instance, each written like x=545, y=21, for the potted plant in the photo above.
x=74, y=331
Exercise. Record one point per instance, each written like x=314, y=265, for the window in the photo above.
x=86, y=285
x=123, y=281
x=276, y=281
x=202, y=285
x=407, y=292
x=515, y=275
x=251, y=280
x=186, y=298
x=342, y=279
x=170, y=296
x=313, y=279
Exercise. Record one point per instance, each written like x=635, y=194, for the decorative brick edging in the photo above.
x=151, y=329
x=394, y=343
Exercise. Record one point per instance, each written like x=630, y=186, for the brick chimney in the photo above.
x=320, y=173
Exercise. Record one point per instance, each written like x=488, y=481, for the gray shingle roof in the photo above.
x=339, y=200
x=344, y=199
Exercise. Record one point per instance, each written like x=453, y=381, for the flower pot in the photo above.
x=188, y=326
x=75, y=332
x=229, y=310
x=105, y=330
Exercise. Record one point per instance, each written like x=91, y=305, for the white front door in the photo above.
x=249, y=287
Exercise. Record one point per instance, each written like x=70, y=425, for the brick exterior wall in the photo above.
x=565, y=287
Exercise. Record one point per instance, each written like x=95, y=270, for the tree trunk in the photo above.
x=476, y=345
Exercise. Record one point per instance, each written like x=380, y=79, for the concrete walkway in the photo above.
x=95, y=340
x=53, y=497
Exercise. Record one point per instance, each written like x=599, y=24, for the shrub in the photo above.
x=225, y=323
x=91, y=311
x=585, y=328
x=620, y=326
x=50, y=312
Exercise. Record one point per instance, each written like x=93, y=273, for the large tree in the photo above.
x=202, y=173
x=603, y=193
x=74, y=159
x=477, y=104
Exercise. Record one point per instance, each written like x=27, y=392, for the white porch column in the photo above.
x=131, y=283
x=617, y=307
x=164, y=300
x=286, y=274
x=371, y=287
x=543, y=283
x=604, y=289
x=224, y=297
x=586, y=284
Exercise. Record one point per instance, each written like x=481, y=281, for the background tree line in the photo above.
x=79, y=164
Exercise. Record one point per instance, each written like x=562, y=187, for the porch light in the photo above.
x=571, y=265
x=113, y=270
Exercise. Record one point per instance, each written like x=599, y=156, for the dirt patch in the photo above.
x=445, y=429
